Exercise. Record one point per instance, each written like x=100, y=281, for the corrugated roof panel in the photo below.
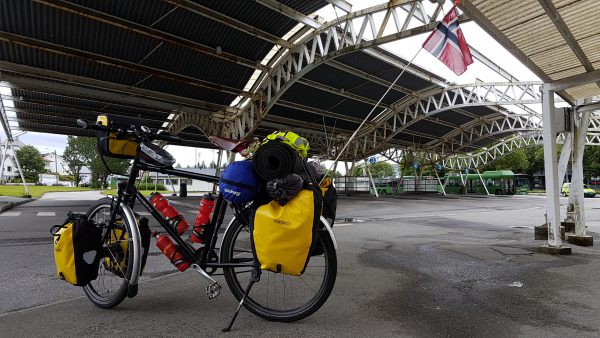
x=588, y=90
x=254, y=14
x=430, y=127
x=184, y=61
x=453, y=117
x=556, y=59
x=578, y=17
x=382, y=69
x=503, y=14
x=75, y=66
x=305, y=6
x=535, y=36
x=337, y=78
x=194, y=27
x=186, y=90
x=567, y=72
x=145, y=12
x=302, y=116
x=591, y=47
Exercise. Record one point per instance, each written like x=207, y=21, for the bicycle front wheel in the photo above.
x=279, y=297
x=115, y=269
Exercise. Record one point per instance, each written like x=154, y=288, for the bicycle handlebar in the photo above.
x=142, y=134
x=85, y=124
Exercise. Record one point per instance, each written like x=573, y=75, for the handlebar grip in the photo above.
x=85, y=124
x=168, y=138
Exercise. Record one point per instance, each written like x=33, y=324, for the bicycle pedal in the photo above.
x=213, y=290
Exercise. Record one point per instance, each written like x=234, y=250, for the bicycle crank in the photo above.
x=212, y=290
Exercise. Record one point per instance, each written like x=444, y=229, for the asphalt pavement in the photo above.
x=419, y=266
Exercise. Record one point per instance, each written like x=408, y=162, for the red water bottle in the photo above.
x=169, y=213
x=171, y=251
x=207, y=204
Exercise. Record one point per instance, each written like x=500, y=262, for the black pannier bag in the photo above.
x=77, y=249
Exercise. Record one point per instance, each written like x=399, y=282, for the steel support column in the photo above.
x=551, y=169
x=576, y=198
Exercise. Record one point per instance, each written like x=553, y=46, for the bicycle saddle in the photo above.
x=229, y=144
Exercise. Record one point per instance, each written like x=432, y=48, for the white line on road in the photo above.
x=47, y=213
x=11, y=214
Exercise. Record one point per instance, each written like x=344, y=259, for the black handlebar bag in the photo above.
x=112, y=144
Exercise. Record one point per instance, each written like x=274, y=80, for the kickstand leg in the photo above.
x=254, y=279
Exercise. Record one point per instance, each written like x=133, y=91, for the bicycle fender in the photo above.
x=226, y=230
x=136, y=240
x=330, y=231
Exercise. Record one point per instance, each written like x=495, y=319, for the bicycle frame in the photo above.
x=128, y=193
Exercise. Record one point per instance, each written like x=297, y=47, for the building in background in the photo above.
x=10, y=171
x=54, y=163
x=173, y=182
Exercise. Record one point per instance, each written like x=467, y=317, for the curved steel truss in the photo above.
x=352, y=32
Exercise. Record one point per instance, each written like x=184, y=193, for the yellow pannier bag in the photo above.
x=284, y=234
x=77, y=249
x=113, y=145
x=118, y=244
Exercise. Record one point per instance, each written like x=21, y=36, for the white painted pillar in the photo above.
x=551, y=169
x=483, y=182
x=19, y=167
x=371, y=179
x=440, y=183
x=576, y=198
x=563, y=161
x=3, y=159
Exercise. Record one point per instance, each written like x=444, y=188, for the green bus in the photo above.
x=386, y=186
x=498, y=182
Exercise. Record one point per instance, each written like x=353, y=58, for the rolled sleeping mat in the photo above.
x=275, y=160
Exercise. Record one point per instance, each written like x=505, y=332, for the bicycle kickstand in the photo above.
x=255, y=278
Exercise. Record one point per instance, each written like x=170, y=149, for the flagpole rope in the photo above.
x=371, y=112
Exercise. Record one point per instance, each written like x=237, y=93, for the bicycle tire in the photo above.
x=252, y=301
x=115, y=266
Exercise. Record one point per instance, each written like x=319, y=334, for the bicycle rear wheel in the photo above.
x=114, y=271
x=279, y=297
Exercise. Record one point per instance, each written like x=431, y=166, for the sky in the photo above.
x=406, y=48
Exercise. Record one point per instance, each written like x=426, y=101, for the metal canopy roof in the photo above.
x=556, y=39
x=152, y=58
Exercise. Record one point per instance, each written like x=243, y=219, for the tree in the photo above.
x=378, y=170
x=31, y=162
x=203, y=165
x=75, y=156
x=516, y=161
x=212, y=165
x=591, y=162
x=97, y=167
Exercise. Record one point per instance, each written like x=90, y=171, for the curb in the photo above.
x=11, y=205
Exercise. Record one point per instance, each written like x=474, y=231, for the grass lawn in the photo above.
x=35, y=191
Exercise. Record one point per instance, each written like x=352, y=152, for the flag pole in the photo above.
x=371, y=112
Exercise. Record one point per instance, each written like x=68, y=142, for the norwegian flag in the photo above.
x=448, y=44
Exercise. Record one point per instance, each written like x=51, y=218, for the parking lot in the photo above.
x=410, y=266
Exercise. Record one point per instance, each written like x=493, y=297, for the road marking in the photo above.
x=47, y=213
x=11, y=214
x=143, y=213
